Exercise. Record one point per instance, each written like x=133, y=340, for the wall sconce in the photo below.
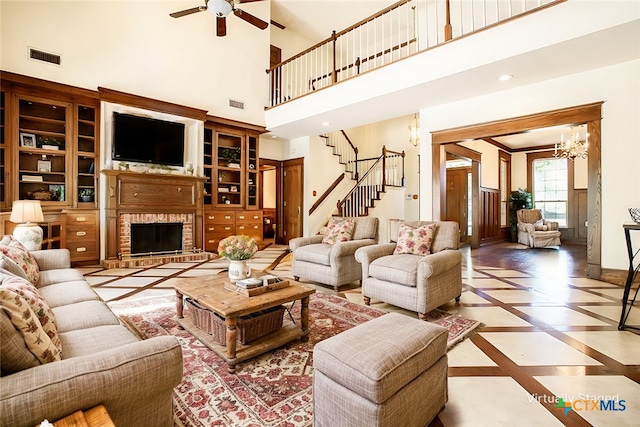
x=414, y=130
x=27, y=213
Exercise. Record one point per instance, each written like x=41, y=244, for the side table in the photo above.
x=94, y=417
x=633, y=271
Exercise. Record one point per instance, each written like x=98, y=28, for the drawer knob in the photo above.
x=227, y=217
x=81, y=249
x=256, y=217
x=211, y=228
x=227, y=228
x=241, y=216
x=211, y=241
x=81, y=233
x=255, y=227
x=81, y=219
x=241, y=227
x=179, y=189
x=212, y=217
x=135, y=194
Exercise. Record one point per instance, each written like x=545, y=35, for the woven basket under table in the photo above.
x=250, y=327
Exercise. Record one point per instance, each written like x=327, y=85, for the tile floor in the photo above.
x=544, y=337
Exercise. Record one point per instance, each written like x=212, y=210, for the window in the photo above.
x=550, y=189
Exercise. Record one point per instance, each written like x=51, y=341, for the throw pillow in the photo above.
x=339, y=231
x=25, y=321
x=18, y=253
x=10, y=266
x=412, y=240
x=36, y=302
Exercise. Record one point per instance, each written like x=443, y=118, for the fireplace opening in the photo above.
x=156, y=237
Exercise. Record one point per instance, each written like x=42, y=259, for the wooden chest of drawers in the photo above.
x=220, y=224
x=81, y=231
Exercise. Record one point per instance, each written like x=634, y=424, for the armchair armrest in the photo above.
x=552, y=225
x=350, y=247
x=367, y=254
x=303, y=241
x=526, y=227
x=120, y=378
x=434, y=264
x=52, y=259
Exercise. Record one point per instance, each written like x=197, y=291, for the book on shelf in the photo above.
x=50, y=147
x=234, y=165
x=32, y=178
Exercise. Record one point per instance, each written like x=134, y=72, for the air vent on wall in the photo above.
x=236, y=104
x=40, y=55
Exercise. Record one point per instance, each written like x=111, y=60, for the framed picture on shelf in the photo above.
x=27, y=140
x=44, y=166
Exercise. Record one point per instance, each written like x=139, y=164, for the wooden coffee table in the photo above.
x=209, y=292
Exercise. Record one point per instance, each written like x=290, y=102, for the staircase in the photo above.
x=379, y=172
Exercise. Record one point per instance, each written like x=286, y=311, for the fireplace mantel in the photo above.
x=131, y=193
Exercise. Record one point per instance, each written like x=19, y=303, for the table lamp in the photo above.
x=27, y=213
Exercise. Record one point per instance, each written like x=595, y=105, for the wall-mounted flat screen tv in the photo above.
x=147, y=140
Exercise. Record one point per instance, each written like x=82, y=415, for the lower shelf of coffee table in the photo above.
x=287, y=333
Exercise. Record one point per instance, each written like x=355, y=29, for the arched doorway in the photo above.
x=590, y=114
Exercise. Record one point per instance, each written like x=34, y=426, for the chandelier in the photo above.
x=573, y=147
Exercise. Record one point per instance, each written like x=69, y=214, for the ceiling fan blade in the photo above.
x=187, y=11
x=221, y=26
x=250, y=19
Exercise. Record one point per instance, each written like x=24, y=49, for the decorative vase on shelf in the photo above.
x=238, y=270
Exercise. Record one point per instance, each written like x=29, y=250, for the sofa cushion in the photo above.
x=48, y=277
x=14, y=354
x=25, y=320
x=415, y=240
x=83, y=342
x=319, y=253
x=36, y=302
x=339, y=230
x=12, y=267
x=66, y=293
x=83, y=315
x=18, y=253
x=401, y=269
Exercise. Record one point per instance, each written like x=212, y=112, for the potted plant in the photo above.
x=86, y=195
x=520, y=199
x=232, y=155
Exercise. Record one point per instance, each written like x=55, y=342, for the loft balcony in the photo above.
x=420, y=53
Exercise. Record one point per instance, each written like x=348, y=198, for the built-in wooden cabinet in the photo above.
x=231, y=165
x=3, y=170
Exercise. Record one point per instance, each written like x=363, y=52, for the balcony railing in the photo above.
x=397, y=32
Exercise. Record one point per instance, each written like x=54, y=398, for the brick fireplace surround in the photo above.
x=138, y=198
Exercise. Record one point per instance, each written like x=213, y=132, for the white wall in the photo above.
x=618, y=86
x=136, y=47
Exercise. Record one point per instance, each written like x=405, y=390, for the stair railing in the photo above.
x=345, y=150
x=395, y=33
x=388, y=169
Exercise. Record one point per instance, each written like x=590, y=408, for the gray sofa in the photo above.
x=103, y=362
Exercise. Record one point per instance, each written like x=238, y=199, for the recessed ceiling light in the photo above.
x=325, y=124
x=505, y=77
x=274, y=136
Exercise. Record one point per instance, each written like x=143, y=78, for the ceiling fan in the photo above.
x=221, y=8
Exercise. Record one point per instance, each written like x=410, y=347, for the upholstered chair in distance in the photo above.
x=536, y=232
x=328, y=260
x=415, y=281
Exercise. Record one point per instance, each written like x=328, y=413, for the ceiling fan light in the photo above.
x=219, y=8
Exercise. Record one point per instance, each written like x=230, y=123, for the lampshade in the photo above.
x=220, y=8
x=26, y=211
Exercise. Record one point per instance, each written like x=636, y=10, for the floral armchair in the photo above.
x=536, y=232
x=420, y=270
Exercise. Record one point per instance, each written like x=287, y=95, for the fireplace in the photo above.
x=156, y=238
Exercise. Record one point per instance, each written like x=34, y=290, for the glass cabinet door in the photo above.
x=253, y=173
x=86, y=154
x=42, y=150
x=208, y=166
x=229, y=171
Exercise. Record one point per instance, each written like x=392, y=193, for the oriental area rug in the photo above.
x=274, y=389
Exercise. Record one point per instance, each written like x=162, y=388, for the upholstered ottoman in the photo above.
x=389, y=371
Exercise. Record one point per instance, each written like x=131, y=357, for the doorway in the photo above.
x=590, y=114
x=293, y=197
x=458, y=189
